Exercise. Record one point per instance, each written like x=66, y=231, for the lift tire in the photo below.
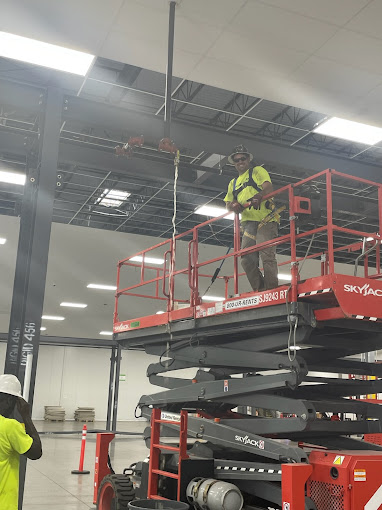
x=115, y=493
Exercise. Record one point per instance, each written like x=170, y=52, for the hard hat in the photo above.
x=240, y=149
x=10, y=384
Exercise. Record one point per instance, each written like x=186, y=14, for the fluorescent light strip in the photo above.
x=52, y=318
x=12, y=177
x=160, y=312
x=74, y=305
x=213, y=298
x=350, y=130
x=108, y=333
x=42, y=329
x=112, y=198
x=2, y=240
x=101, y=286
x=148, y=260
x=213, y=211
x=44, y=54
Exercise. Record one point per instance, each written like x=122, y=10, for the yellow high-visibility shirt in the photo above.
x=14, y=441
x=260, y=175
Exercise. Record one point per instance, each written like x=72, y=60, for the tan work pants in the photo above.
x=250, y=263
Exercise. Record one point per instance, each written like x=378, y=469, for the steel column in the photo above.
x=170, y=57
x=111, y=386
x=33, y=248
x=116, y=386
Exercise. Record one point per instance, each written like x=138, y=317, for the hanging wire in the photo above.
x=172, y=263
x=291, y=327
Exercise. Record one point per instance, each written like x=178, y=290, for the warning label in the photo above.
x=339, y=460
x=360, y=475
x=267, y=297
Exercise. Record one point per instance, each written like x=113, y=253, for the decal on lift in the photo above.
x=121, y=327
x=225, y=385
x=339, y=460
x=375, y=501
x=286, y=506
x=135, y=324
x=365, y=290
x=256, y=300
x=360, y=475
x=253, y=442
x=170, y=416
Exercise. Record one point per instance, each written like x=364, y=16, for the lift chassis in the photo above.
x=256, y=411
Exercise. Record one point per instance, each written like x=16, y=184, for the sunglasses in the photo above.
x=237, y=160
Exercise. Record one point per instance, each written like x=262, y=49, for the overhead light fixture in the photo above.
x=148, y=260
x=2, y=240
x=12, y=177
x=112, y=198
x=213, y=211
x=287, y=277
x=159, y=312
x=44, y=54
x=52, y=318
x=350, y=130
x=42, y=329
x=101, y=286
x=108, y=333
x=74, y=305
x=213, y=298
x=295, y=348
x=367, y=239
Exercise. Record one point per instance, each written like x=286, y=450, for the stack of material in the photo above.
x=54, y=413
x=84, y=414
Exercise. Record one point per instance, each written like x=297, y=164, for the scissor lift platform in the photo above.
x=283, y=353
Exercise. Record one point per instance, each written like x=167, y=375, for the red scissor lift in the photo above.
x=244, y=351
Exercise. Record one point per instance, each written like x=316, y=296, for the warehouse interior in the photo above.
x=263, y=73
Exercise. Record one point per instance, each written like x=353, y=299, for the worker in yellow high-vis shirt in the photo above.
x=15, y=439
x=251, y=185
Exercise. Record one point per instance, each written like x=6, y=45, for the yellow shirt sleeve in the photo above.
x=229, y=195
x=18, y=439
x=261, y=175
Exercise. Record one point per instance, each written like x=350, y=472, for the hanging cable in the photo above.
x=291, y=327
x=217, y=271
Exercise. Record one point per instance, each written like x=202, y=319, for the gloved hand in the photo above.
x=237, y=208
x=255, y=201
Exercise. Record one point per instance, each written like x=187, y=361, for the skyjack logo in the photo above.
x=253, y=442
x=365, y=290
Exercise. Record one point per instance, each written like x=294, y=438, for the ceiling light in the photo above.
x=44, y=54
x=2, y=240
x=350, y=130
x=160, y=312
x=287, y=277
x=12, y=177
x=295, y=348
x=74, y=305
x=108, y=333
x=112, y=198
x=101, y=287
x=148, y=260
x=42, y=329
x=367, y=239
x=213, y=211
x=213, y=298
x=53, y=318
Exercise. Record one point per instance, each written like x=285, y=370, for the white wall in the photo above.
x=79, y=376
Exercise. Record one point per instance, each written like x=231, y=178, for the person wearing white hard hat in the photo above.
x=15, y=439
x=259, y=221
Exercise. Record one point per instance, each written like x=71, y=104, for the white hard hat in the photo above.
x=10, y=384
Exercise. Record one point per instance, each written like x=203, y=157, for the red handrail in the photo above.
x=292, y=237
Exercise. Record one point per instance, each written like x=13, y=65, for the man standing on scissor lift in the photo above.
x=251, y=185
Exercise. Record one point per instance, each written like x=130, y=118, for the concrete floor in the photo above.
x=49, y=482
